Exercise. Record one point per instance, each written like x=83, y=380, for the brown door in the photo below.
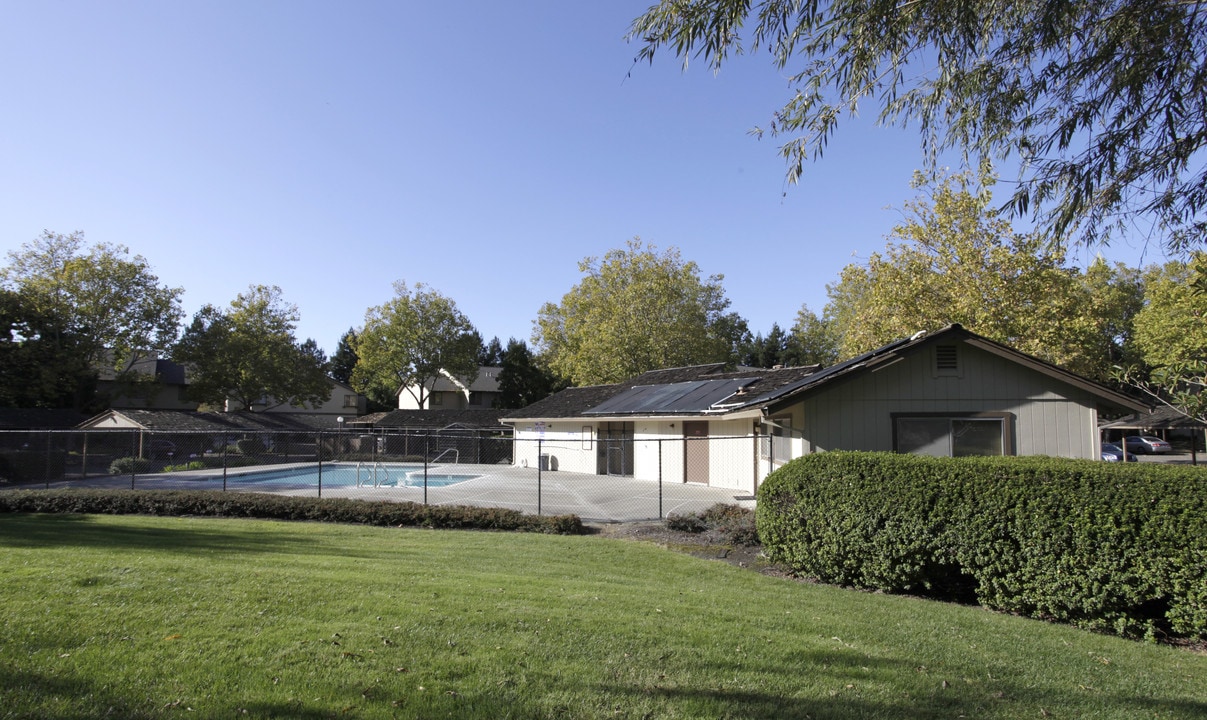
x=695, y=451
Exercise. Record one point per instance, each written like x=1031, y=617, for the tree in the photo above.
x=634, y=310
x=1103, y=101
x=111, y=304
x=1170, y=335
x=248, y=354
x=766, y=351
x=811, y=341
x=40, y=363
x=344, y=360
x=957, y=261
x=523, y=380
x=491, y=355
x=407, y=341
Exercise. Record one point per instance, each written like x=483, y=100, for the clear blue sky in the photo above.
x=481, y=148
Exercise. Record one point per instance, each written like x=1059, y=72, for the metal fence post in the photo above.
x=225, y=442
x=426, y=450
x=539, y=456
x=659, y=478
x=46, y=465
x=318, y=445
x=133, y=456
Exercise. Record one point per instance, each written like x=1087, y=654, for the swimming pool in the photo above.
x=351, y=475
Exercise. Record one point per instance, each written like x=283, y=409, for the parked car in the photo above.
x=1144, y=444
x=1113, y=453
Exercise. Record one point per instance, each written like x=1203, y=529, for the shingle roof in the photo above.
x=39, y=418
x=201, y=421
x=486, y=381
x=467, y=417
x=1161, y=418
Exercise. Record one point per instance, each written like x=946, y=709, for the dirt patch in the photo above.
x=706, y=545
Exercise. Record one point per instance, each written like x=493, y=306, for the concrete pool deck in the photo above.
x=593, y=498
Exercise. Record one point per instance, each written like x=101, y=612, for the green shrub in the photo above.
x=730, y=523
x=191, y=465
x=208, y=503
x=128, y=465
x=1109, y=547
x=249, y=446
x=24, y=466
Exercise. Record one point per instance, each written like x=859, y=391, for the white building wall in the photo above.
x=570, y=446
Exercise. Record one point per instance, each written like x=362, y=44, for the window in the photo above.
x=349, y=401
x=953, y=435
x=781, y=439
x=435, y=399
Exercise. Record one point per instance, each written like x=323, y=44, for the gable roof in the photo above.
x=204, y=421
x=704, y=390
x=895, y=351
x=39, y=419
x=486, y=381
x=1161, y=418
x=440, y=418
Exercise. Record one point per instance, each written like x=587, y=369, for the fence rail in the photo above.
x=599, y=480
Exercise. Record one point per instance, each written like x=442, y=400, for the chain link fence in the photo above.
x=600, y=480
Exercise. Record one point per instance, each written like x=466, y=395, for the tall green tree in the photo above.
x=1104, y=102
x=523, y=379
x=41, y=365
x=408, y=340
x=955, y=260
x=248, y=354
x=491, y=354
x=343, y=361
x=766, y=351
x=112, y=305
x=811, y=341
x=635, y=310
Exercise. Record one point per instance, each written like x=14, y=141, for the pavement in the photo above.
x=593, y=498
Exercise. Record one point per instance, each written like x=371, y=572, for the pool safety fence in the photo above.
x=598, y=479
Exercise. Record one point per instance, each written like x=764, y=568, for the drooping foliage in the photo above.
x=1104, y=102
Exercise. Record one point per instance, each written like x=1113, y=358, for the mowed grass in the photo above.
x=135, y=617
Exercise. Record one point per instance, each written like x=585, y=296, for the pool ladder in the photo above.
x=372, y=475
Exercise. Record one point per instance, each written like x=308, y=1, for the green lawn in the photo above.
x=174, y=617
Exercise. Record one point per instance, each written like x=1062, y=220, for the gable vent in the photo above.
x=946, y=359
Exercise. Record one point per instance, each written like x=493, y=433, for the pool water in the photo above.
x=352, y=476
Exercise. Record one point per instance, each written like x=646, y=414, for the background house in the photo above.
x=950, y=392
x=450, y=393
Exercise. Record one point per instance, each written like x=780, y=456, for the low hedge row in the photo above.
x=281, y=507
x=1105, y=546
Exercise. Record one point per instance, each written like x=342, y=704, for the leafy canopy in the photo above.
x=112, y=304
x=1104, y=102
x=956, y=261
x=1170, y=335
x=408, y=340
x=248, y=354
x=636, y=310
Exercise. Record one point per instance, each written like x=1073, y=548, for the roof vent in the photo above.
x=947, y=360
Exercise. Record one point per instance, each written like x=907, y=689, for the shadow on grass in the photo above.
x=167, y=534
x=845, y=679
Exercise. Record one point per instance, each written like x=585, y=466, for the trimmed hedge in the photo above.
x=280, y=507
x=1110, y=547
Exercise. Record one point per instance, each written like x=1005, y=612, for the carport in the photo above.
x=1160, y=420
